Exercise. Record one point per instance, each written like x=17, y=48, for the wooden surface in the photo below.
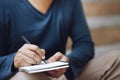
x=101, y=9
x=106, y=36
x=103, y=36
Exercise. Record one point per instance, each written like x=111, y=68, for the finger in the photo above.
x=54, y=73
x=25, y=64
x=19, y=61
x=56, y=57
x=31, y=55
x=42, y=53
x=51, y=73
x=36, y=49
x=64, y=58
x=28, y=60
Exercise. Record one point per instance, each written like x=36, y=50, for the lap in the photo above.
x=105, y=67
x=35, y=76
x=27, y=76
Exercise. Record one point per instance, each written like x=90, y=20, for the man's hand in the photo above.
x=28, y=55
x=57, y=57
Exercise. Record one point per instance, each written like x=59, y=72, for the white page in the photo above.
x=44, y=67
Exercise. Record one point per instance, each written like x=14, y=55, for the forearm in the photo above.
x=80, y=55
x=6, y=66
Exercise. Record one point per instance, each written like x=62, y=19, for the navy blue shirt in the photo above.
x=49, y=31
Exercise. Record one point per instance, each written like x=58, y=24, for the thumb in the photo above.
x=64, y=58
x=56, y=57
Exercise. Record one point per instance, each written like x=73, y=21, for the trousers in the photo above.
x=35, y=76
x=104, y=67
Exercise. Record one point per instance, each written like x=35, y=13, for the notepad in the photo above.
x=44, y=67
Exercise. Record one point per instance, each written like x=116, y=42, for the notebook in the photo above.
x=44, y=67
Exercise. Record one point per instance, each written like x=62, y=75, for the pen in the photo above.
x=25, y=39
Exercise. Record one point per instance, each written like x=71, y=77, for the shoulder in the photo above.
x=8, y=4
x=68, y=4
x=69, y=1
x=64, y=2
x=6, y=7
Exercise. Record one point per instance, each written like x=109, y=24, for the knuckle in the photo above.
x=59, y=53
x=36, y=47
x=34, y=55
x=43, y=51
x=19, y=50
x=55, y=57
x=25, y=45
x=20, y=54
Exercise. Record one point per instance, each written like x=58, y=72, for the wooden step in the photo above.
x=100, y=1
x=103, y=36
x=101, y=9
x=103, y=21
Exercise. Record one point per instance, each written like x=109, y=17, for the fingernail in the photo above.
x=43, y=57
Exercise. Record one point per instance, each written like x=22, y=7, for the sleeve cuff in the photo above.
x=12, y=69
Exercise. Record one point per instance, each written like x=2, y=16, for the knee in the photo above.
x=26, y=76
x=20, y=75
x=113, y=54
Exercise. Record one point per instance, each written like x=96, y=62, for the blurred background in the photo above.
x=103, y=17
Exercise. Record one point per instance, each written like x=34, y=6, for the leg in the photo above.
x=105, y=67
x=60, y=78
x=26, y=76
x=37, y=76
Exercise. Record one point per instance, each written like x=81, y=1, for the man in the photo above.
x=47, y=25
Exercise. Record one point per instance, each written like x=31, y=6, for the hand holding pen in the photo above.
x=42, y=58
x=28, y=55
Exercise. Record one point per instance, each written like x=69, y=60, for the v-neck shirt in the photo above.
x=49, y=31
x=39, y=12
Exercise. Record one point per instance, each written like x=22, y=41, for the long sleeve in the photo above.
x=83, y=48
x=6, y=58
x=6, y=63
